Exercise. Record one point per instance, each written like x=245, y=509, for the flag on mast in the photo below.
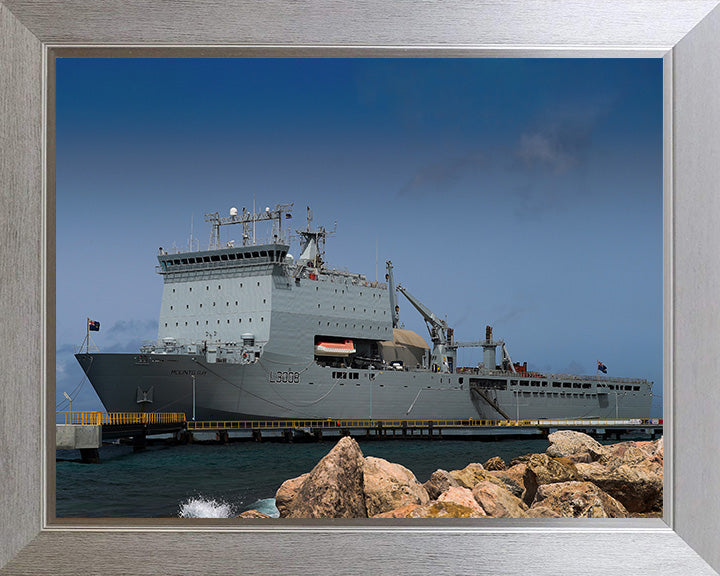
x=93, y=325
x=602, y=367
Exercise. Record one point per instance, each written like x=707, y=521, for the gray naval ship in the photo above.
x=247, y=332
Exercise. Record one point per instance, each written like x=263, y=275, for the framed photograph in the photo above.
x=682, y=34
x=501, y=200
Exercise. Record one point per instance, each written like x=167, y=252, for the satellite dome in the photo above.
x=233, y=211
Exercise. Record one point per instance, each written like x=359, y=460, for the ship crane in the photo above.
x=444, y=346
x=443, y=354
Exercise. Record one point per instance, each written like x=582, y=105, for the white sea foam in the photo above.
x=200, y=507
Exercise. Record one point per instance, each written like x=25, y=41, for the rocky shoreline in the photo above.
x=576, y=477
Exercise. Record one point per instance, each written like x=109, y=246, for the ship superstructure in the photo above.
x=248, y=332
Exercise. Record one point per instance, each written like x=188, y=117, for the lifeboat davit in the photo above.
x=335, y=348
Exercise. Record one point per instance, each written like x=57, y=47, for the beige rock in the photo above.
x=287, y=492
x=334, y=488
x=473, y=473
x=433, y=510
x=541, y=469
x=462, y=496
x=253, y=514
x=576, y=446
x=439, y=482
x=510, y=485
x=402, y=512
x=516, y=473
x=469, y=476
x=495, y=463
x=542, y=512
x=388, y=486
x=639, y=486
x=497, y=501
x=577, y=500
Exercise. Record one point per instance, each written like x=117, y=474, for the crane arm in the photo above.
x=438, y=325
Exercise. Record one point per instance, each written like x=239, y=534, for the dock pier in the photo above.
x=85, y=431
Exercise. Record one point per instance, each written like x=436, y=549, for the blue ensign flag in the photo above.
x=602, y=367
x=94, y=325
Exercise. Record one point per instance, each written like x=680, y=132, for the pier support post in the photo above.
x=90, y=455
x=222, y=436
x=257, y=435
x=288, y=436
x=139, y=442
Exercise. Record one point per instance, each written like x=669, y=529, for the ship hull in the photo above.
x=284, y=387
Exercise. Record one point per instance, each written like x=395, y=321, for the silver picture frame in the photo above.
x=684, y=33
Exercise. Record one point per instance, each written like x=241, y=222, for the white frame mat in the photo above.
x=685, y=33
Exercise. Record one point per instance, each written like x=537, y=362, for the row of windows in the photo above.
x=362, y=326
x=364, y=310
x=207, y=287
x=187, y=306
x=272, y=254
x=207, y=322
x=585, y=385
x=557, y=394
x=346, y=375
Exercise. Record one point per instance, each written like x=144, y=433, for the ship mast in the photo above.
x=312, y=252
x=248, y=219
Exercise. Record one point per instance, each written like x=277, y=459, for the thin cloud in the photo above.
x=441, y=176
x=133, y=326
x=560, y=139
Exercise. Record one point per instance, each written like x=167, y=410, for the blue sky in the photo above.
x=522, y=193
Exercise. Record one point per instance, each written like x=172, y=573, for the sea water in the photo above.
x=216, y=481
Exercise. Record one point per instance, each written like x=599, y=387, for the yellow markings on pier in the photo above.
x=118, y=418
x=464, y=423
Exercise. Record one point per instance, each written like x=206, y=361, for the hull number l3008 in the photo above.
x=290, y=377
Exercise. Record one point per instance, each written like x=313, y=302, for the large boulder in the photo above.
x=576, y=446
x=462, y=496
x=334, y=488
x=439, y=482
x=631, y=474
x=576, y=500
x=388, y=486
x=469, y=476
x=287, y=492
x=498, y=502
x=542, y=469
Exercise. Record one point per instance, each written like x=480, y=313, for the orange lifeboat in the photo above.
x=335, y=348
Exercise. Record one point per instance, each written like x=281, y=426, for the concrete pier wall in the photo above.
x=76, y=436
